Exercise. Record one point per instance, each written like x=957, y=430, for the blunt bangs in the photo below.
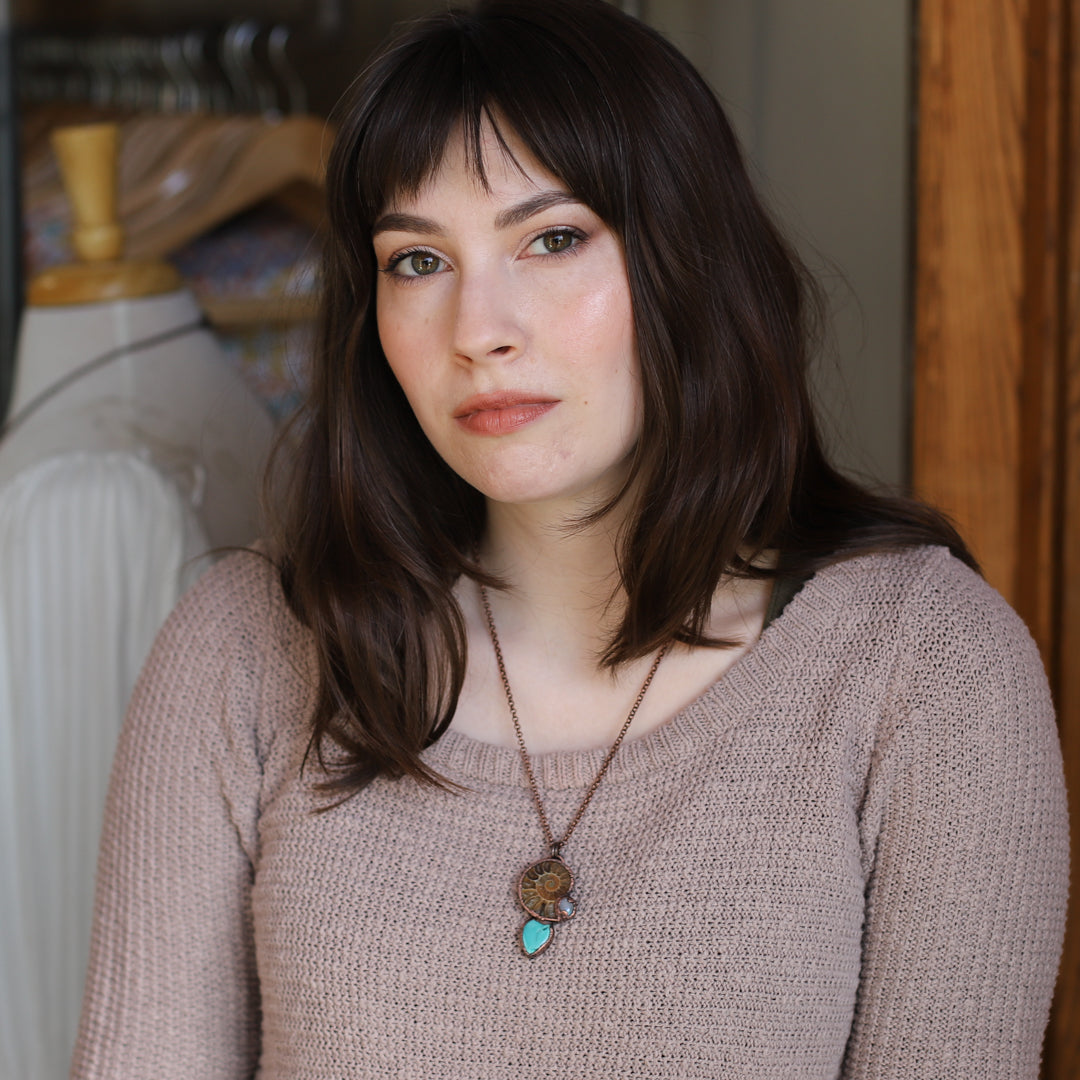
x=551, y=83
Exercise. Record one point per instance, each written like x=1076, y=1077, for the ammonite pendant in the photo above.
x=544, y=893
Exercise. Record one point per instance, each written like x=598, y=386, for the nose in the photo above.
x=488, y=323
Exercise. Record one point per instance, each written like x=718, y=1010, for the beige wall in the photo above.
x=820, y=95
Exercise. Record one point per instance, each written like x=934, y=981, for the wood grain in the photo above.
x=1037, y=560
x=969, y=273
x=996, y=421
x=1062, y=1058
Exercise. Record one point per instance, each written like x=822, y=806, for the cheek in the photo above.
x=599, y=309
x=403, y=342
x=393, y=326
x=605, y=347
x=607, y=306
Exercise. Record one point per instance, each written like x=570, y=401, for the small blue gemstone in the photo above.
x=535, y=935
x=566, y=907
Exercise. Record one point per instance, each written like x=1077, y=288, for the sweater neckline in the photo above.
x=753, y=677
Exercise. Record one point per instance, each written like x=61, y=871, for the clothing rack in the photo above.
x=244, y=67
x=11, y=273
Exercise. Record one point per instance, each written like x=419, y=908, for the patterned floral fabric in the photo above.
x=259, y=254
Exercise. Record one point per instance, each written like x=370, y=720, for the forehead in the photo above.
x=496, y=166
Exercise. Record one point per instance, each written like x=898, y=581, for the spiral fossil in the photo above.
x=541, y=888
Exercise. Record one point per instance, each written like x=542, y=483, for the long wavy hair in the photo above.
x=377, y=529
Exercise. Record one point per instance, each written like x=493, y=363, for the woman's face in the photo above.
x=505, y=316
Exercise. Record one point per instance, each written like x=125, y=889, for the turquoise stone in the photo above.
x=535, y=935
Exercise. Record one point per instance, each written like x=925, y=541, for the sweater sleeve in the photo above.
x=965, y=840
x=171, y=989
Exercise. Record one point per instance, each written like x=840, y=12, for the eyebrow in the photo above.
x=515, y=215
x=407, y=223
x=504, y=219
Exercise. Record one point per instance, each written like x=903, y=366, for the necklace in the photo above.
x=544, y=887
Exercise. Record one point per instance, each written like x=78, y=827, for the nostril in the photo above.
x=502, y=350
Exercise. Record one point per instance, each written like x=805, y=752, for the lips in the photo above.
x=502, y=411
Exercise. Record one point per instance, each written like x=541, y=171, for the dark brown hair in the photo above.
x=378, y=529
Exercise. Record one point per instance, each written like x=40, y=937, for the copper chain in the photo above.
x=555, y=846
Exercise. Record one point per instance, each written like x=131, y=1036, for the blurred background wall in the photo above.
x=819, y=94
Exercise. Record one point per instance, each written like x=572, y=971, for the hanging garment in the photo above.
x=113, y=483
x=99, y=542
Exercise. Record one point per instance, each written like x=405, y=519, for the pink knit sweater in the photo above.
x=846, y=858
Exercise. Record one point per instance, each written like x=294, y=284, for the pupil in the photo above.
x=557, y=241
x=423, y=264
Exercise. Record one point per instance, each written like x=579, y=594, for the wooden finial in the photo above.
x=88, y=157
x=88, y=164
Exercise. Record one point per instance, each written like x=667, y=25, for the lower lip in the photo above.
x=501, y=421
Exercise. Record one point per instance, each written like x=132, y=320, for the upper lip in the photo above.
x=501, y=399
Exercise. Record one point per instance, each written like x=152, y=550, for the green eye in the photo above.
x=561, y=240
x=423, y=262
x=558, y=241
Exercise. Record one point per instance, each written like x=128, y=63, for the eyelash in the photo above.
x=399, y=257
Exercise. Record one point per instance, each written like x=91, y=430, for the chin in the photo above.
x=532, y=475
x=578, y=495
x=513, y=492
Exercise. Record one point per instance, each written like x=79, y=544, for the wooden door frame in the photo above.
x=996, y=366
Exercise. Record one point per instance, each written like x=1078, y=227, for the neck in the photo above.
x=564, y=582
x=554, y=621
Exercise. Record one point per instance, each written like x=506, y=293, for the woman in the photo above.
x=587, y=721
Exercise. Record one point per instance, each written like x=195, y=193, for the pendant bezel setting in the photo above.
x=544, y=893
x=542, y=887
x=550, y=927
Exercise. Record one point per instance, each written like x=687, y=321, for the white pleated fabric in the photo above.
x=95, y=549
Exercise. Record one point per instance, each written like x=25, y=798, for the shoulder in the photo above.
x=955, y=632
x=231, y=655
x=944, y=592
x=237, y=602
x=900, y=579
x=949, y=657
x=924, y=599
x=968, y=694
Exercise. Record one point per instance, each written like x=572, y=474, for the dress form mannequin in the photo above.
x=176, y=403
x=112, y=483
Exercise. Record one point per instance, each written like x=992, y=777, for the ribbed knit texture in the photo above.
x=846, y=858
